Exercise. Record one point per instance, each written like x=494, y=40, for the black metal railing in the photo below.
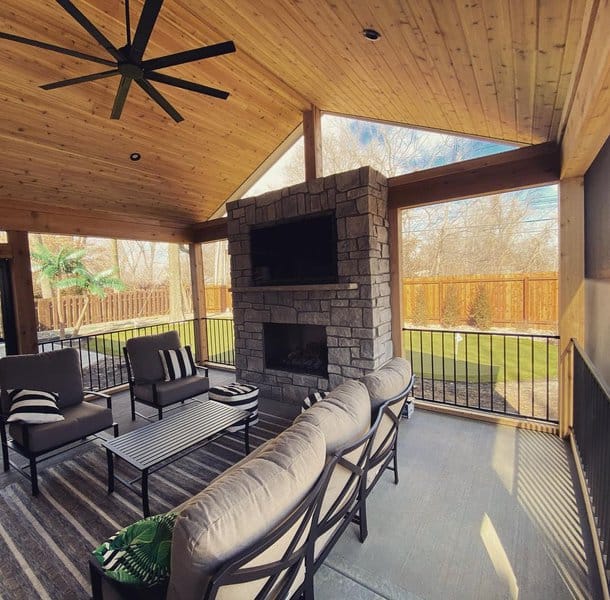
x=101, y=354
x=509, y=374
x=592, y=436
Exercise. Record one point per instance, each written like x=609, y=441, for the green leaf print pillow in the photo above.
x=140, y=553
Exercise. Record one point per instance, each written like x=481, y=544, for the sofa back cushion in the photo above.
x=57, y=371
x=239, y=508
x=387, y=382
x=143, y=351
x=343, y=417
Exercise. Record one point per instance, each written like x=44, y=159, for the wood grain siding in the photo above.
x=494, y=69
x=515, y=169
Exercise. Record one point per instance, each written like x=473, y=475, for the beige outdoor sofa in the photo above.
x=263, y=527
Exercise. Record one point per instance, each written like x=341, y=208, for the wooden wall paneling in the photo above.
x=571, y=287
x=525, y=167
x=395, y=239
x=199, y=303
x=312, y=138
x=586, y=118
x=23, y=293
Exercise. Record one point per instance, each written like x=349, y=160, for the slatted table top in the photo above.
x=156, y=442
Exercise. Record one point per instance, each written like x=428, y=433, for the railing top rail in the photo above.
x=143, y=326
x=550, y=336
x=592, y=368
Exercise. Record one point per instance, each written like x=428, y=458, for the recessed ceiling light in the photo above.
x=371, y=34
x=135, y=156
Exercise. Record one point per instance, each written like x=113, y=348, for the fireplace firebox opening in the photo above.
x=296, y=348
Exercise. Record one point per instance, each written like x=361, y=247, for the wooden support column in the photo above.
x=571, y=288
x=199, y=304
x=312, y=134
x=23, y=293
x=394, y=215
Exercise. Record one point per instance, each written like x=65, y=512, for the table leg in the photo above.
x=110, y=460
x=247, y=435
x=145, y=506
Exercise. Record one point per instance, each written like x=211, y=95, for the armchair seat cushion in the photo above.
x=80, y=420
x=169, y=392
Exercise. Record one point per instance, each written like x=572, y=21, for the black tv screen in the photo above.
x=302, y=251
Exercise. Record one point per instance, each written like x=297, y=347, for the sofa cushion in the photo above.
x=80, y=420
x=139, y=554
x=240, y=507
x=57, y=371
x=343, y=417
x=177, y=363
x=387, y=382
x=310, y=400
x=169, y=392
x=144, y=356
x=33, y=406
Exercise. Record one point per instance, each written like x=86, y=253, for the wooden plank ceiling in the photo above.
x=498, y=68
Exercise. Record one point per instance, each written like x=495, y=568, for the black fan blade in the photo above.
x=91, y=29
x=180, y=58
x=149, y=15
x=53, y=48
x=160, y=100
x=121, y=96
x=83, y=79
x=187, y=85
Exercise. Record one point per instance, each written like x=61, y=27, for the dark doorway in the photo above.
x=8, y=331
x=296, y=348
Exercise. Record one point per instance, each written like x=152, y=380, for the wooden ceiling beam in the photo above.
x=210, y=231
x=586, y=115
x=516, y=169
x=92, y=223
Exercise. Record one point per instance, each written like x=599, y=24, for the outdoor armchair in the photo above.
x=57, y=372
x=148, y=383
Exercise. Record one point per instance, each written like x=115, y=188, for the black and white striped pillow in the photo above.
x=310, y=400
x=33, y=407
x=178, y=363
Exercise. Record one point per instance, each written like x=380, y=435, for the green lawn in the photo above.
x=220, y=339
x=483, y=358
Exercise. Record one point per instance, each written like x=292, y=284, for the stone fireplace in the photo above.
x=291, y=339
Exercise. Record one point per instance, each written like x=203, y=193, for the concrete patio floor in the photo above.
x=482, y=511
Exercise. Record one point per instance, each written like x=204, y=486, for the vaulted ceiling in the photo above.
x=496, y=68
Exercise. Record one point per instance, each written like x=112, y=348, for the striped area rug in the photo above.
x=45, y=542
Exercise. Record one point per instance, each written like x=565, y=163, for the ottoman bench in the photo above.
x=238, y=395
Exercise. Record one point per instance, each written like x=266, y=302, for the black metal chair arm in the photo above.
x=106, y=397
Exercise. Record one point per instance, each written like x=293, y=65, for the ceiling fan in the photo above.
x=128, y=61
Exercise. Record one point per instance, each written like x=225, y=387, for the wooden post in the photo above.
x=199, y=306
x=394, y=215
x=312, y=134
x=23, y=293
x=571, y=288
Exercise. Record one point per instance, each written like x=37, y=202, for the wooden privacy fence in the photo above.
x=121, y=306
x=523, y=300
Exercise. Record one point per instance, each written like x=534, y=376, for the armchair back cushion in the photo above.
x=57, y=371
x=239, y=508
x=146, y=365
x=387, y=382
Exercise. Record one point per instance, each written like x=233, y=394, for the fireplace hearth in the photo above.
x=296, y=348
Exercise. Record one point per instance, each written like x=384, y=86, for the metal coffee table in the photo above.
x=158, y=444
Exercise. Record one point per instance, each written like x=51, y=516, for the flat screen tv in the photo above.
x=298, y=252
